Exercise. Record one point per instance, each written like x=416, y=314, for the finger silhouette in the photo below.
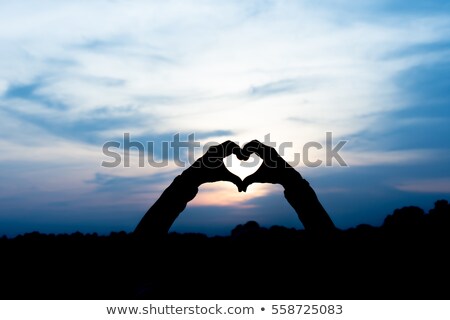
x=213, y=160
x=224, y=149
x=264, y=174
x=255, y=177
x=268, y=154
x=274, y=168
x=253, y=146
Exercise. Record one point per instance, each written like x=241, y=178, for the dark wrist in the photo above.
x=191, y=177
x=292, y=179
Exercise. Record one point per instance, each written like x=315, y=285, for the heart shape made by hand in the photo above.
x=242, y=168
x=211, y=167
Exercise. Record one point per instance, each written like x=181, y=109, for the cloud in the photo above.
x=277, y=87
x=226, y=194
x=373, y=158
x=438, y=185
x=159, y=69
x=111, y=183
x=88, y=129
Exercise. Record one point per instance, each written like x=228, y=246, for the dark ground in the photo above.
x=406, y=258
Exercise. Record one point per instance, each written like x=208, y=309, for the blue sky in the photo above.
x=74, y=75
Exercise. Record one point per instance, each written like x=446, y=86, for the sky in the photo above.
x=76, y=75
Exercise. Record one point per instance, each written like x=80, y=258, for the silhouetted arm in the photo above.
x=304, y=200
x=209, y=168
x=160, y=217
x=297, y=190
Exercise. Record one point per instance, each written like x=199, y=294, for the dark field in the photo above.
x=406, y=258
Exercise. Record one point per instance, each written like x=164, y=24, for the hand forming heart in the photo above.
x=210, y=167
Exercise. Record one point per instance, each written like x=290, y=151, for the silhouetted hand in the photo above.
x=273, y=169
x=210, y=167
x=297, y=190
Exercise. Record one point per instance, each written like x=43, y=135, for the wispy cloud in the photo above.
x=133, y=184
x=277, y=87
x=438, y=185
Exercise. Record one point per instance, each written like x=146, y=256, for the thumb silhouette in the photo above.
x=261, y=175
x=210, y=167
x=273, y=169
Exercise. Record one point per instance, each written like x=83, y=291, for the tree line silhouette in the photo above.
x=404, y=258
